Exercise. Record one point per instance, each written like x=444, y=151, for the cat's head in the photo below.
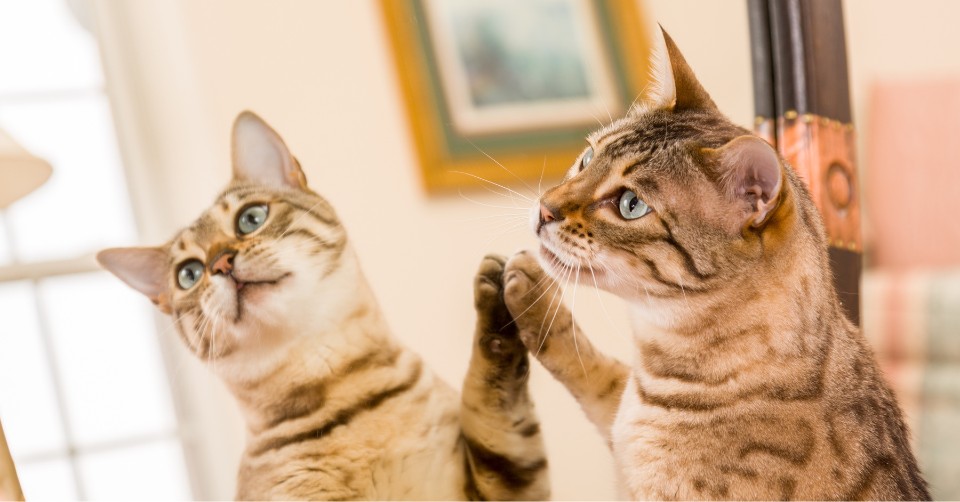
x=254, y=267
x=672, y=199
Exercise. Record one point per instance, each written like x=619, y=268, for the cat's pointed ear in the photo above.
x=143, y=269
x=673, y=83
x=261, y=156
x=751, y=172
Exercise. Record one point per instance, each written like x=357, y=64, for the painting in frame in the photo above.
x=503, y=89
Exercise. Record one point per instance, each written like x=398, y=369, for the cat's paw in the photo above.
x=488, y=283
x=534, y=300
x=496, y=335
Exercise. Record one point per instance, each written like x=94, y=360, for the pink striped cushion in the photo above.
x=912, y=320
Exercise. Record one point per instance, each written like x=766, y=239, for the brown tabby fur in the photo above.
x=748, y=382
x=335, y=406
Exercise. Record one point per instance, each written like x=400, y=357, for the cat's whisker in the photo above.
x=204, y=337
x=573, y=324
x=544, y=278
x=603, y=306
x=213, y=341
x=600, y=122
x=298, y=218
x=209, y=328
x=543, y=334
x=566, y=278
x=546, y=332
x=497, y=230
x=543, y=170
x=309, y=244
x=504, y=224
x=683, y=290
x=492, y=205
x=508, y=189
x=503, y=220
x=168, y=332
x=495, y=161
x=505, y=229
x=510, y=216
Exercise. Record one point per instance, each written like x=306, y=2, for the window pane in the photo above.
x=84, y=206
x=28, y=408
x=106, y=348
x=47, y=480
x=152, y=471
x=61, y=54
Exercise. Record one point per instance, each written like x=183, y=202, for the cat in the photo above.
x=747, y=382
x=266, y=289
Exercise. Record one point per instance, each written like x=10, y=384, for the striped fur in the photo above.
x=747, y=380
x=335, y=406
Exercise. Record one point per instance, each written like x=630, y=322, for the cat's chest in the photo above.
x=637, y=447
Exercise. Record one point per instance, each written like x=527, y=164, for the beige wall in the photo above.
x=321, y=73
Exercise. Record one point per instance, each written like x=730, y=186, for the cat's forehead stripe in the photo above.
x=204, y=228
x=242, y=192
x=603, y=136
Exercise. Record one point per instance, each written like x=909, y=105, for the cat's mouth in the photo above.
x=248, y=288
x=558, y=261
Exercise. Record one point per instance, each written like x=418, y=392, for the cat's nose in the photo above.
x=223, y=262
x=547, y=214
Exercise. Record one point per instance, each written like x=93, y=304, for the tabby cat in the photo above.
x=266, y=289
x=748, y=382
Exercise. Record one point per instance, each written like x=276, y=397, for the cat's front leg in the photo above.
x=505, y=458
x=549, y=331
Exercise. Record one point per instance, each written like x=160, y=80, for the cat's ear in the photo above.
x=751, y=172
x=143, y=269
x=673, y=83
x=261, y=156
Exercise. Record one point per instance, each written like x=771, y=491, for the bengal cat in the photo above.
x=747, y=382
x=265, y=288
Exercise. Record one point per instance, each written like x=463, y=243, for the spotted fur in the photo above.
x=335, y=406
x=747, y=380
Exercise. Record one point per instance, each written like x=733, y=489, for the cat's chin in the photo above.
x=256, y=298
x=551, y=262
x=558, y=265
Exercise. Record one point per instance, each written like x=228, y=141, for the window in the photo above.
x=84, y=398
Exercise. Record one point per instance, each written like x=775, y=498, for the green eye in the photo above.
x=189, y=274
x=631, y=207
x=251, y=218
x=587, y=157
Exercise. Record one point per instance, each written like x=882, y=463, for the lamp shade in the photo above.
x=20, y=172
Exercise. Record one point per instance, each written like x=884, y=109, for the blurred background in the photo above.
x=131, y=103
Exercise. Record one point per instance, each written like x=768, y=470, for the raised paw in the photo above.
x=535, y=301
x=496, y=334
x=500, y=430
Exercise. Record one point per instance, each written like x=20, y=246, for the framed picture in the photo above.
x=507, y=89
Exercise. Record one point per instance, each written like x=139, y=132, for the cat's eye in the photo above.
x=189, y=274
x=587, y=157
x=631, y=207
x=251, y=218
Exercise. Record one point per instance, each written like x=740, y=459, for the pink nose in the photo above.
x=545, y=214
x=223, y=263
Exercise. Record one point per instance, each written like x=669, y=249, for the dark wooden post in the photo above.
x=802, y=103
